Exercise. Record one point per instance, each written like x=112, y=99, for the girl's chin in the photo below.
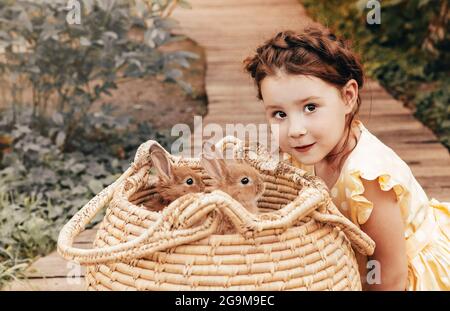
x=306, y=160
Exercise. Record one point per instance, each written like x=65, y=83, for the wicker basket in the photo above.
x=300, y=242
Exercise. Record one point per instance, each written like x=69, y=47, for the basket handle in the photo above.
x=160, y=236
x=175, y=226
x=359, y=239
x=83, y=217
x=306, y=204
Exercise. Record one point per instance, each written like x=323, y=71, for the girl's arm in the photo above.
x=385, y=226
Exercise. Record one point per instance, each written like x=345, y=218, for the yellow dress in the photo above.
x=427, y=222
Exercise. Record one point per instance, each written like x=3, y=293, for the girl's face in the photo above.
x=308, y=111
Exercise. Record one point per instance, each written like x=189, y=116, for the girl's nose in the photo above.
x=296, y=129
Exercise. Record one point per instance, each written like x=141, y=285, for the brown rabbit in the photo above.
x=235, y=177
x=173, y=182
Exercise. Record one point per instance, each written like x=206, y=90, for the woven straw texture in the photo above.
x=300, y=241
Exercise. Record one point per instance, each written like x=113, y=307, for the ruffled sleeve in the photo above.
x=373, y=160
x=360, y=207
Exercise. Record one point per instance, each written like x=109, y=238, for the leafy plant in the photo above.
x=41, y=187
x=74, y=65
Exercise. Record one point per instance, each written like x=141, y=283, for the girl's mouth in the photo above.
x=305, y=148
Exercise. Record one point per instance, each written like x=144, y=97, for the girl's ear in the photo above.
x=350, y=95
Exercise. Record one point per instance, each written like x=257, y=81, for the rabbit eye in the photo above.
x=245, y=180
x=189, y=181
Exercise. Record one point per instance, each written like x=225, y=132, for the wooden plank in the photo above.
x=434, y=181
x=52, y=272
x=430, y=170
x=87, y=236
x=47, y=284
x=54, y=265
x=440, y=194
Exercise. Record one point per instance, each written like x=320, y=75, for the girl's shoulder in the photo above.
x=372, y=157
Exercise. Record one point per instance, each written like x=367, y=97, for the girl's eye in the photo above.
x=189, y=181
x=245, y=180
x=281, y=114
x=310, y=107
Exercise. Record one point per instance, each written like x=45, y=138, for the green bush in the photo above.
x=75, y=64
x=407, y=52
x=41, y=187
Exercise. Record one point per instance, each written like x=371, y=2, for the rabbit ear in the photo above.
x=162, y=164
x=215, y=168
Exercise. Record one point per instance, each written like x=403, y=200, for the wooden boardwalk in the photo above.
x=229, y=31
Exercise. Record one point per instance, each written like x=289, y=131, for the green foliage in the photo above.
x=42, y=187
x=11, y=268
x=433, y=108
x=75, y=64
x=407, y=52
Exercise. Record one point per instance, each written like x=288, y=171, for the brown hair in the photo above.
x=314, y=52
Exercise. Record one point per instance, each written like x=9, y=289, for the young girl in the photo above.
x=309, y=84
